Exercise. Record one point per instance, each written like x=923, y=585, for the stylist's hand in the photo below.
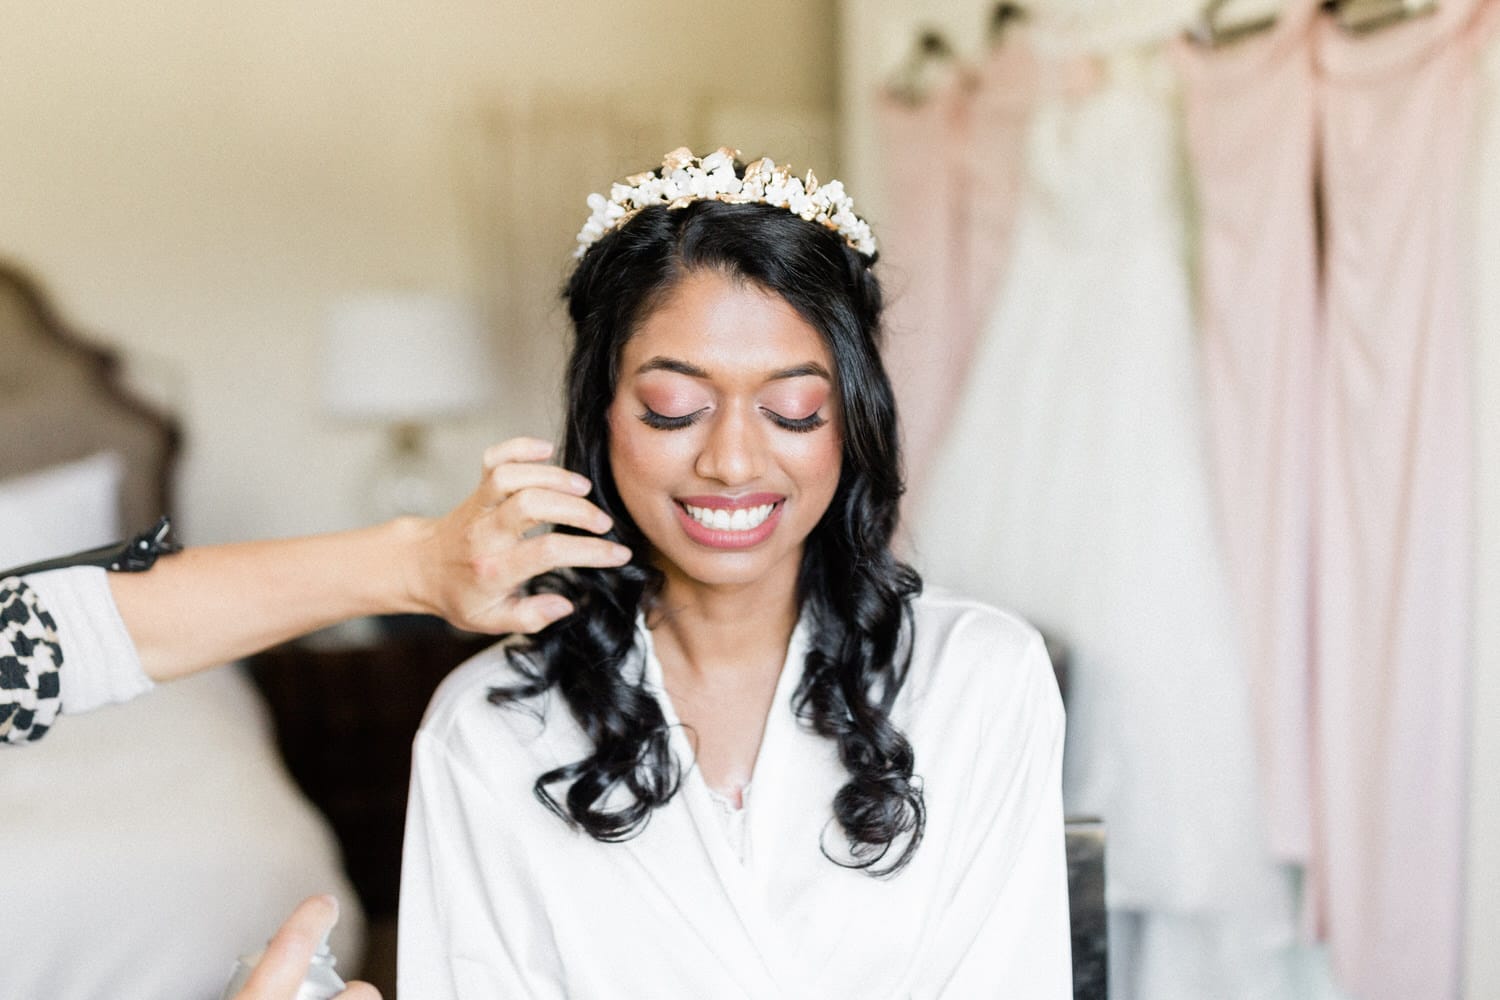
x=475, y=559
x=280, y=972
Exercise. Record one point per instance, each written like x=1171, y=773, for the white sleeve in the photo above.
x=100, y=665
x=1012, y=907
x=471, y=924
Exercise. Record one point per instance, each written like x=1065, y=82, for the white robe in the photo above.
x=500, y=899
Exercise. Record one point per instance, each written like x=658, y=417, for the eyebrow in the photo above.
x=663, y=364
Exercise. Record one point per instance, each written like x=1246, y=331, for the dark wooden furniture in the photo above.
x=345, y=718
x=1090, y=928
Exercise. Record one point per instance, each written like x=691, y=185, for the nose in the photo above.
x=733, y=452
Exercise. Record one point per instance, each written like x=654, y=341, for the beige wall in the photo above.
x=195, y=182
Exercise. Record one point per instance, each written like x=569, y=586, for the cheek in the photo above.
x=624, y=450
x=641, y=458
x=818, y=462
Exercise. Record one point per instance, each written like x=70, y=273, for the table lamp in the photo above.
x=406, y=360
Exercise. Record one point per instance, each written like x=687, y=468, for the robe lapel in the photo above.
x=744, y=885
x=672, y=856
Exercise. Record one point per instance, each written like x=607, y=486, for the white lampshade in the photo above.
x=405, y=357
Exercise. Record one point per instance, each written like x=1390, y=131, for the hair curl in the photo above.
x=853, y=590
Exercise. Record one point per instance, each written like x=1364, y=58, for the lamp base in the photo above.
x=406, y=480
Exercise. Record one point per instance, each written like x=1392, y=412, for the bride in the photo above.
x=757, y=760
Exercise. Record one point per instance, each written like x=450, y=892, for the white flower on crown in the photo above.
x=685, y=178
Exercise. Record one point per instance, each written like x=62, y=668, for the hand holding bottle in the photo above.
x=280, y=973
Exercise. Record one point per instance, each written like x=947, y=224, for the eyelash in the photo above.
x=808, y=423
x=660, y=422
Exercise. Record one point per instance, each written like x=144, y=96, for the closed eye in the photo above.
x=801, y=425
x=662, y=422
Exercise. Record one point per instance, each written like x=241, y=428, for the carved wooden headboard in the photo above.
x=61, y=399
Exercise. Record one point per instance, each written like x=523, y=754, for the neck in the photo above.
x=712, y=630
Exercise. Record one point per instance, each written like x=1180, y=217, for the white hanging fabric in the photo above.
x=1250, y=113
x=1078, y=26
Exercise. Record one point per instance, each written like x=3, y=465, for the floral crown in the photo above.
x=685, y=178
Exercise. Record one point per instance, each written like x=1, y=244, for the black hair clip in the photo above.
x=134, y=556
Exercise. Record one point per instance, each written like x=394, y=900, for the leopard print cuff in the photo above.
x=30, y=659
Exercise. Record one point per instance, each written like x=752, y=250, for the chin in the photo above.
x=726, y=569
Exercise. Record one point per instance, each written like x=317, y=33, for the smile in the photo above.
x=730, y=523
x=721, y=519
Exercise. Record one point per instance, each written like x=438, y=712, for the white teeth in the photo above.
x=721, y=519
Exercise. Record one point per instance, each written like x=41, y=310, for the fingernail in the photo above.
x=333, y=905
x=623, y=553
x=557, y=607
x=582, y=484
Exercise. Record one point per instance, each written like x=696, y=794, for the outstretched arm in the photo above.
x=83, y=638
x=208, y=605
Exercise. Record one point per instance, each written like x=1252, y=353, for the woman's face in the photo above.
x=725, y=433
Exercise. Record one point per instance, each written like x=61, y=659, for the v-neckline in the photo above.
x=769, y=755
x=743, y=882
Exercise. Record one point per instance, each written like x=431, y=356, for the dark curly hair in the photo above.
x=853, y=591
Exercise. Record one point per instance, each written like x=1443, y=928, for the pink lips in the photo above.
x=730, y=539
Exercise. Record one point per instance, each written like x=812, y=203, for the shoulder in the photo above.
x=943, y=619
x=466, y=690
x=463, y=725
x=966, y=652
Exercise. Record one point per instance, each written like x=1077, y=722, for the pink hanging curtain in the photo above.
x=1251, y=129
x=1394, y=517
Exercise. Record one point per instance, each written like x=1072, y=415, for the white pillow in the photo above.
x=61, y=510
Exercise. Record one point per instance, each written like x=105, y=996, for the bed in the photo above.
x=147, y=844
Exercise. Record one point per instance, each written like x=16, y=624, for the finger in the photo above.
x=516, y=614
x=505, y=480
x=533, y=507
x=555, y=550
x=286, y=959
x=516, y=449
x=359, y=991
x=527, y=615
